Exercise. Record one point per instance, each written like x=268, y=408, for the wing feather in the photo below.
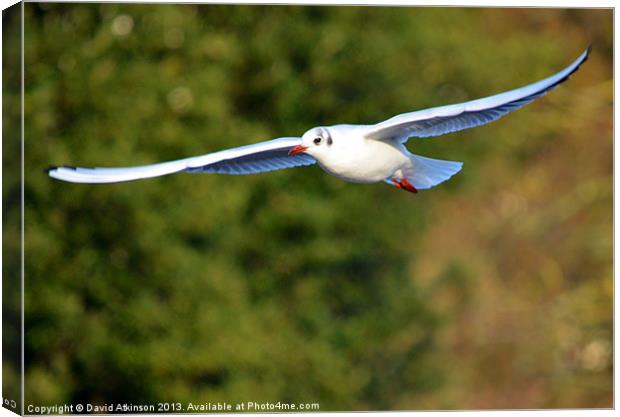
x=251, y=159
x=446, y=119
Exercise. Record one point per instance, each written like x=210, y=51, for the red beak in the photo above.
x=297, y=149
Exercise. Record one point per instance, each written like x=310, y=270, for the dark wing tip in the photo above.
x=53, y=168
x=586, y=54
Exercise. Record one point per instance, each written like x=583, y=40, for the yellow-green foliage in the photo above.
x=492, y=290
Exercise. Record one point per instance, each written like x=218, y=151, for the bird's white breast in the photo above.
x=354, y=158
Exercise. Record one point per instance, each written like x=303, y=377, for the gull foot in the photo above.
x=404, y=184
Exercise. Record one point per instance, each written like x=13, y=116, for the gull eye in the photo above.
x=317, y=140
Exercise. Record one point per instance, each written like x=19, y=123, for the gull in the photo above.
x=354, y=153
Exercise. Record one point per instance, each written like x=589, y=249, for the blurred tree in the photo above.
x=293, y=286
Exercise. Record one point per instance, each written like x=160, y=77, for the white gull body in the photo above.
x=354, y=153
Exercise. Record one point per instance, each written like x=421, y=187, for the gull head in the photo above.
x=314, y=142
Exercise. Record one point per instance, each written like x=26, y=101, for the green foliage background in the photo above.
x=492, y=290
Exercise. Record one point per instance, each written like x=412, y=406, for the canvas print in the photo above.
x=276, y=208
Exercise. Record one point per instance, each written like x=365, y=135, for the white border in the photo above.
x=478, y=3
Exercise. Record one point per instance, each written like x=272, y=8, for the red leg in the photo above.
x=408, y=186
x=404, y=184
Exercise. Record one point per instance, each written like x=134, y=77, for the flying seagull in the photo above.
x=354, y=153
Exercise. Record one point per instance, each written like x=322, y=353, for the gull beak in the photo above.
x=297, y=149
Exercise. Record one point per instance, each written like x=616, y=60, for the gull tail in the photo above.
x=425, y=173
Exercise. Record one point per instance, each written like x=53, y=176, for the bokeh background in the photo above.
x=493, y=290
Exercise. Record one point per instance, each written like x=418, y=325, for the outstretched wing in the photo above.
x=251, y=159
x=445, y=119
